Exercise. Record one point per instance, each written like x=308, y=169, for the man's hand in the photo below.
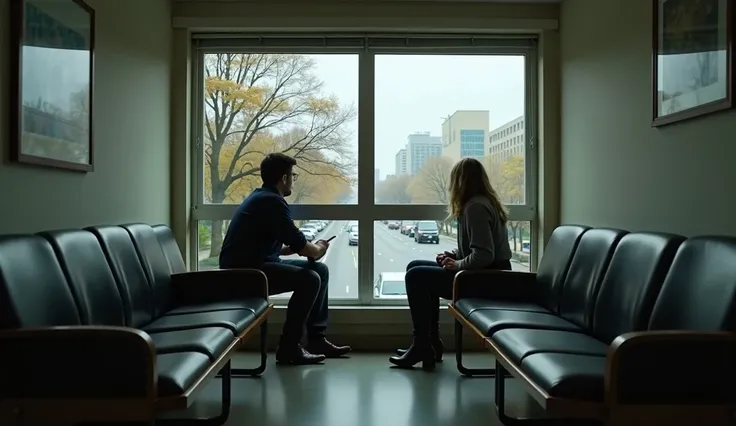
x=440, y=257
x=323, y=245
x=451, y=254
x=449, y=264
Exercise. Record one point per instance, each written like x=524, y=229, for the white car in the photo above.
x=319, y=224
x=353, y=236
x=311, y=226
x=309, y=233
x=390, y=285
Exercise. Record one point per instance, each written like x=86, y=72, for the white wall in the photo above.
x=131, y=130
x=616, y=170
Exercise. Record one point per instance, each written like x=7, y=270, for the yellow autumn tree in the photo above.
x=261, y=103
x=508, y=178
x=431, y=185
x=394, y=190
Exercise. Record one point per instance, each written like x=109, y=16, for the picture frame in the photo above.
x=692, y=59
x=52, y=84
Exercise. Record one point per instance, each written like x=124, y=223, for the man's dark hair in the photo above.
x=274, y=166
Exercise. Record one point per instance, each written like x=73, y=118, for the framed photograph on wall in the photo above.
x=692, y=58
x=52, y=83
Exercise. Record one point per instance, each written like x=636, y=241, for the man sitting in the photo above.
x=260, y=231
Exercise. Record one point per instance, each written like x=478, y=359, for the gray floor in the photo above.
x=363, y=391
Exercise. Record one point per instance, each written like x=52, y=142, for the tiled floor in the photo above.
x=363, y=391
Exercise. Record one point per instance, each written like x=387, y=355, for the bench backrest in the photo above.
x=130, y=277
x=585, y=275
x=555, y=264
x=632, y=282
x=33, y=289
x=699, y=292
x=89, y=276
x=171, y=248
x=155, y=265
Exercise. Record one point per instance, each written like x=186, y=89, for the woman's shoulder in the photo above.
x=477, y=204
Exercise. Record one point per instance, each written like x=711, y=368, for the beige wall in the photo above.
x=617, y=170
x=131, y=130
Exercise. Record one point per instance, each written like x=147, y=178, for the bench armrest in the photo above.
x=218, y=285
x=494, y=284
x=672, y=367
x=77, y=362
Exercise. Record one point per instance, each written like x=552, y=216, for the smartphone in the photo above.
x=332, y=238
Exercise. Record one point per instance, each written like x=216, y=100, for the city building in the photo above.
x=507, y=140
x=465, y=134
x=401, y=162
x=420, y=147
x=377, y=176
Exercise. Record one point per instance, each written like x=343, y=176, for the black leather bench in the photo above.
x=105, y=325
x=615, y=328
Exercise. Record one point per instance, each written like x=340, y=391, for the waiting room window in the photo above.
x=331, y=102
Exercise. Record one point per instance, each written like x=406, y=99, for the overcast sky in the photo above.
x=415, y=92
x=53, y=75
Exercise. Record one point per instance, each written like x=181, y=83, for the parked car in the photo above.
x=426, y=231
x=353, y=236
x=390, y=285
x=309, y=233
x=394, y=225
x=406, y=227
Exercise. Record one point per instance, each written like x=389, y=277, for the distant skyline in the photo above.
x=414, y=93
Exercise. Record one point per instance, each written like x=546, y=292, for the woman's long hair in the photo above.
x=468, y=179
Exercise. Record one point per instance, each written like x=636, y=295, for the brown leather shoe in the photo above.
x=325, y=347
x=296, y=355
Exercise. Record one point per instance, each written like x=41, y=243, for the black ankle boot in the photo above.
x=437, y=345
x=417, y=352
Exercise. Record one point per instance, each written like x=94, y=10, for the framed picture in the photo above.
x=52, y=83
x=692, y=58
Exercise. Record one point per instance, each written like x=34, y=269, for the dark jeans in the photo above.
x=308, y=303
x=426, y=282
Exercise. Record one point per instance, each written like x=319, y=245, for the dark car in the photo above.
x=427, y=231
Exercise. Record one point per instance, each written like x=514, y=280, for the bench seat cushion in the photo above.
x=178, y=371
x=489, y=321
x=235, y=320
x=470, y=305
x=518, y=343
x=257, y=306
x=569, y=376
x=210, y=341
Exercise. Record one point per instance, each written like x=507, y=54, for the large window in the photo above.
x=376, y=124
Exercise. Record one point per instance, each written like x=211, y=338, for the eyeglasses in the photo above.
x=294, y=176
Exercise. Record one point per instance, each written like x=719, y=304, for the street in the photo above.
x=392, y=252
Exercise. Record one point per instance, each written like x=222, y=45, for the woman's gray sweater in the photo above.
x=482, y=239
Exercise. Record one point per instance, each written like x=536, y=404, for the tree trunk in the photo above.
x=514, y=227
x=216, y=239
x=218, y=196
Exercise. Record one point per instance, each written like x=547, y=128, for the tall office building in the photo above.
x=465, y=134
x=401, y=163
x=419, y=148
x=507, y=140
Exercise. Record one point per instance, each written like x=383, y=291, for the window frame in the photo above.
x=366, y=212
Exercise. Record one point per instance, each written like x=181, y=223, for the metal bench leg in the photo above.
x=255, y=372
x=218, y=420
x=469, y=372
x=506, y=420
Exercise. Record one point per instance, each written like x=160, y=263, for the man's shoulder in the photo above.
x=259, y=198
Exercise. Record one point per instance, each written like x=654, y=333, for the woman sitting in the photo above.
x=482, y=244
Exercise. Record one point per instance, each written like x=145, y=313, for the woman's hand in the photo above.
x=440, y=257
x=449, y=264
x=451, y=254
